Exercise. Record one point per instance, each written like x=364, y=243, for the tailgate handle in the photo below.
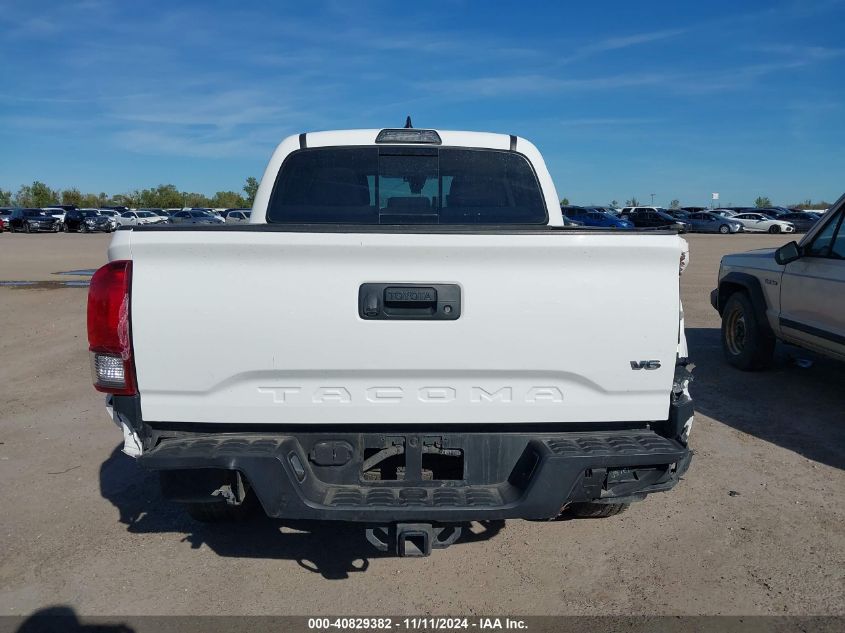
x=409, y=301
x=421, y=299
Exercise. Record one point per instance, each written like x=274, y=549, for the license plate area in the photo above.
x=412, y=459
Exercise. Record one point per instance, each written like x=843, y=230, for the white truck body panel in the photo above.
x=549, y=327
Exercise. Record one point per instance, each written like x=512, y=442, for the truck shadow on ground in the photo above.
x=333, y=549
x=798, y=408
x=63, y=619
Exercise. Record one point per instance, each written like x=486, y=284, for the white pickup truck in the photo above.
x=424, y=344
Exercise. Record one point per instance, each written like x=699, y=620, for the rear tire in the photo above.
x=745, y=343
x=724, y=229
x=774, y=229
x=596, y=510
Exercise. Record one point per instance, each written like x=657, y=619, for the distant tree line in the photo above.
x=38, y=194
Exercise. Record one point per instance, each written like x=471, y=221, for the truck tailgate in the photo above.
x=262, y=327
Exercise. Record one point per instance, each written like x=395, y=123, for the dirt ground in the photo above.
x=83, y=526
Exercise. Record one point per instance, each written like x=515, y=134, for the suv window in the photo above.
x=406, y=185
x=837, y=251
x=822, y=243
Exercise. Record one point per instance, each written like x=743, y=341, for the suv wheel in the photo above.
x=774, y=229
x=27, y=228
x=745, y=345
x=724, y=229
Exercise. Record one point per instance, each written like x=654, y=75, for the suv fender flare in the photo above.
x=734, y=281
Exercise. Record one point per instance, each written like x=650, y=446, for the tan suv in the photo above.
x=795, y=293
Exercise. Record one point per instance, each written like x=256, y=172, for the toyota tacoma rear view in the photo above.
x=424, y=344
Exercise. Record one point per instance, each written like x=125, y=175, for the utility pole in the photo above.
x=652, y=199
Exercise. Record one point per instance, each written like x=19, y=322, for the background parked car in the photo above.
x=678, y=214
x=707, y=222
x=109, y=213
x=819, y=213
x=57, y=212
x=725, y=213
x=237, y=216
x=88, y=220
x=135, y=218
x=802, y=221
x=195, y=216
x=653, y=217
x=151, y=216
x=32, y=220
x=164, y=215
x=773, y=212
x=225, y=213
x=5, y=214
x=757, y=222
x=215, y=212
x=592, y=216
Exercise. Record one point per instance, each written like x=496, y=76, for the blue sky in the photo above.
x=623, y=98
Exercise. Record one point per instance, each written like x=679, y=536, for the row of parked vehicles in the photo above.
x=696, y=219
x=71, y=219
x=686, y=219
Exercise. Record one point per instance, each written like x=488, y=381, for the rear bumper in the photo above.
x=492, y=475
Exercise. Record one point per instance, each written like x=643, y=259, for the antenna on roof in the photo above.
x=408, y=124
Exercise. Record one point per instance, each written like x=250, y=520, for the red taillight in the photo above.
x=109, y=337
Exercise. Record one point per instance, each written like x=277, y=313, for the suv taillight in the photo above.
x=109, y=336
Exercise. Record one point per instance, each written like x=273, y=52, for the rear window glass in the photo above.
x=402, y=185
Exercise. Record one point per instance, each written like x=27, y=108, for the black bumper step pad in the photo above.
x=530, y=475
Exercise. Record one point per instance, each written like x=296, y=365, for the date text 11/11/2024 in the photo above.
x=417, y=624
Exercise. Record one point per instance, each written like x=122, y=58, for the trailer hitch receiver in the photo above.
x=412, y=539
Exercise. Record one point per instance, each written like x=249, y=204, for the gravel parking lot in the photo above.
x=756, y=527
